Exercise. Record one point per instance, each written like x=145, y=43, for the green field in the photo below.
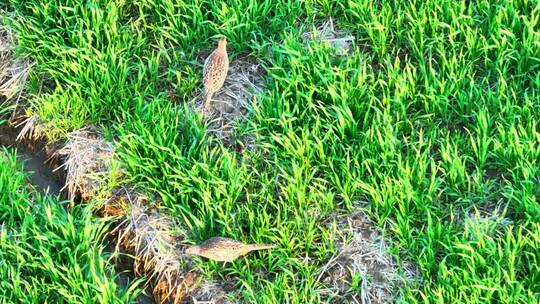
x=428, y=122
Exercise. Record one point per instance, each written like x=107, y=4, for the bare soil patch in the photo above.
x=362, y=253
x=36, y=158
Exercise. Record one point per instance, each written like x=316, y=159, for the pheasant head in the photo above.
x=222, y=44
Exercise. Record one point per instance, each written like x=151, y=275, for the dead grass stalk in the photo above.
x=87, y=160
x=13, y=71
x=328, y=32
x=365, y=255
x=234, y=101
x=147, y=235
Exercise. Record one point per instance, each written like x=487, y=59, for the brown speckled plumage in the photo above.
x=215, y=72
x=224, y=249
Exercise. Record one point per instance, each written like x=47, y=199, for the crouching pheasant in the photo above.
x=224, y=250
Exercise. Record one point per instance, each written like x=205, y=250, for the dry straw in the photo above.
x=87, y=160
x=365, y=254
x=13, y=71
x=233, y=102
x=147, y=234
x=328, y=32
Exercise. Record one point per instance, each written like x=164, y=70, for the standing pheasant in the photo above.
x=224, y=249
x=215, y=71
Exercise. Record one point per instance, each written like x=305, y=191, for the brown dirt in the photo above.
x=171, y=281
x=36, y=158
x=212, y=292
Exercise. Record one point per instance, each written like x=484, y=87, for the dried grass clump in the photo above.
x=13, y=72
x=32, y=129
x=490, y=217
x=147, y=235
x=117, y=205
x=327, y=32
x=366, y=255
x=210, y=292
x=87, y=161
x=244, y=81
x=479, y=215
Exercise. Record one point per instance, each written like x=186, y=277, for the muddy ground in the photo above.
x=36, y=161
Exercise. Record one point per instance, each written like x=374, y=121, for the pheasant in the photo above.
x=215, y=72
x=224, y=250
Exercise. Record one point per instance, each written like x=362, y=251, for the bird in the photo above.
x=224, y=249
x=215, y=71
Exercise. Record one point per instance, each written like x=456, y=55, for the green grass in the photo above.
x=48, y=254
x=433, y=116
x=5, y=108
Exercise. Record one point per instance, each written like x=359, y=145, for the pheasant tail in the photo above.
x=207, y=103
x=260, y=246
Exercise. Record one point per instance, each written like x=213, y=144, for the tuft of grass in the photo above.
x=487, y=262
